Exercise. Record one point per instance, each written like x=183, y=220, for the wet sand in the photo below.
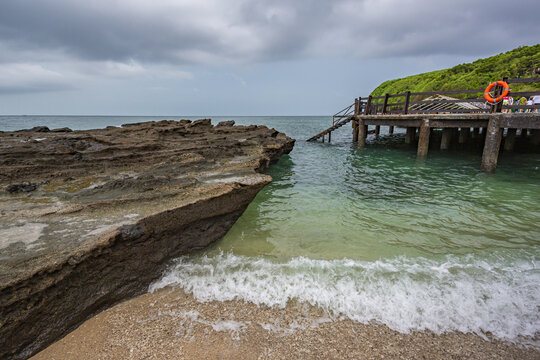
x=170, y=324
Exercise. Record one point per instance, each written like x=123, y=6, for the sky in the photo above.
x=236, y=57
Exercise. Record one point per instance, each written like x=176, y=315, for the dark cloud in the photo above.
x=238, y=31
x=62, y=39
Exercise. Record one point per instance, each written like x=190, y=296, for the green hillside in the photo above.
x=520, y=62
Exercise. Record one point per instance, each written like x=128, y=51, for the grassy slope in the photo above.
x=519, y=62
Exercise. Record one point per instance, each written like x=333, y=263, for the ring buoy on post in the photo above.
x=488, y=96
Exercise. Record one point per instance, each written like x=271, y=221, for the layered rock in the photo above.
x=89, y=218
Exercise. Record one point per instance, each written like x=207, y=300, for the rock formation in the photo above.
x=89, y=218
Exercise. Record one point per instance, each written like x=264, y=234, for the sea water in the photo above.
x=375, y=235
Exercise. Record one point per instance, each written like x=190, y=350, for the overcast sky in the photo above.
x=236, y=57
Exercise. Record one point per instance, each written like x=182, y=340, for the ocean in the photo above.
x=373, y=234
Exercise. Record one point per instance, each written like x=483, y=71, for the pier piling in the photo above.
x=410, y=135
x=362, y=133
x=445, y=139
x=492, y=145
x=464, y=135
x=423, y=139
x=535, y=141
x=510, y=140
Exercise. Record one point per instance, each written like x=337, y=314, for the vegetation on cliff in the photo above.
x=523, y=61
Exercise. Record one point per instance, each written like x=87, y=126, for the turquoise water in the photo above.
x=374, y=235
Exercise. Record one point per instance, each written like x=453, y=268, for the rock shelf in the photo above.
x=90, y=218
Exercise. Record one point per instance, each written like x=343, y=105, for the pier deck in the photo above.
x=455, y=117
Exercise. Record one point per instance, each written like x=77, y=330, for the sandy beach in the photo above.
x=170, y=324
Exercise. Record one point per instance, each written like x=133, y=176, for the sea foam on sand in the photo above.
x=498, y=294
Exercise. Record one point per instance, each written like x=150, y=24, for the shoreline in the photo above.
x=170, y=324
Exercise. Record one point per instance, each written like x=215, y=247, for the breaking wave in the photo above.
x=497, y=294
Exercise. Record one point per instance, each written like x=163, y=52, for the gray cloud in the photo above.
x=238, y=31
x=66, y=40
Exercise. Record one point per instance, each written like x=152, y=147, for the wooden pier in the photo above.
x=454, y=117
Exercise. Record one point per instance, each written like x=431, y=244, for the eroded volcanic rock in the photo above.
x=89, y=218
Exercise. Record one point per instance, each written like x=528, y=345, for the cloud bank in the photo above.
x=47, y=44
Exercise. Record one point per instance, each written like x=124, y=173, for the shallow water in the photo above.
x=374, y=234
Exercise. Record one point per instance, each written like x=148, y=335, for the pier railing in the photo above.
x=438, y=102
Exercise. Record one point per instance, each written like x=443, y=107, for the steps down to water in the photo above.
x=332, y=128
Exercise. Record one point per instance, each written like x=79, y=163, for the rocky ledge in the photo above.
x=89, y=218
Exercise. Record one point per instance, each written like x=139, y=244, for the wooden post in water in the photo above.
x=464, y=135
x=523, y=133
x=445, y=139
x=410, y=135
x=357, y=111
x=476, y=133
x=492, y=145
x=535, y=141
x=510, y=140
x=377, y=130
x=362, y=133
x=330, y=136
x=390, y=129
x=423, y=139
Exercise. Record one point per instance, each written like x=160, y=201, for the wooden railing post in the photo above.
x=385, y=103
x=499, y=105
x=498, y=91
x=356, y=107
x=407, y=100
x=367, y=110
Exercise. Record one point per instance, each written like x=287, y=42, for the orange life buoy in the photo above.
x=490, y=99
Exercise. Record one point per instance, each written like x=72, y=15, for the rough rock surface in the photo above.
x=89, y=218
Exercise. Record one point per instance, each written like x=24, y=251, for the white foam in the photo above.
x=497, y=294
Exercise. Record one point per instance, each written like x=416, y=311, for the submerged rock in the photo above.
x=112, y=207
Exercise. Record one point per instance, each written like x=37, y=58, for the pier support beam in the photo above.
x=354, y=130
x=523, y=133
x=510, y=140
x=464, y=135
x=390, y=129
x=330, y=136
x=377, y=130
x=410, y=135
x=535, y=141
x=446, y=138
x=476, y=133
x=423, y=140
x=492, y=145
x=362, y=133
